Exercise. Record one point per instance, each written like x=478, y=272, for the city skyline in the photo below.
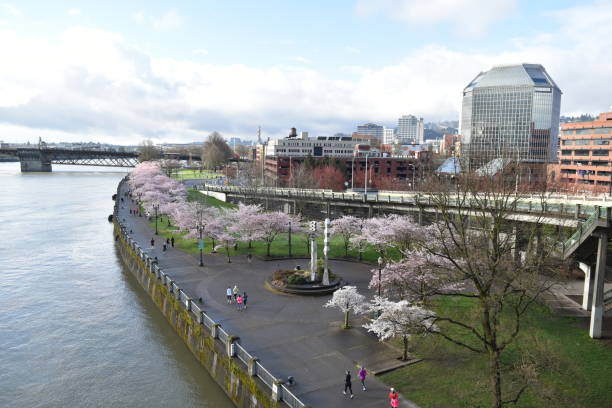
x=174, y=74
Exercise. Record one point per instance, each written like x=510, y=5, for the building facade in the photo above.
x=585, y=155
x=371, y=129
x=510, y=112
x=410, y=130
x=388, y=135
x=321, y=146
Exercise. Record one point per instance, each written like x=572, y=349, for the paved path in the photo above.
x=291, y=335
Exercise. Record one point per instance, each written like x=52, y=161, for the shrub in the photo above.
x=297, y=279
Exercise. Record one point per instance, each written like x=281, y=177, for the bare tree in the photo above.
x=216, y=151
x=147, y=151
x=476, y=242
x=242, y=150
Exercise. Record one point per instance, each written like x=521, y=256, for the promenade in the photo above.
x=291, y=335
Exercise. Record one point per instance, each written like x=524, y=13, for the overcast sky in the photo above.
x=122, y=71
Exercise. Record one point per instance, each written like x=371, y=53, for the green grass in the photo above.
x=194, y=195
x=575, y=370
x=184, y=174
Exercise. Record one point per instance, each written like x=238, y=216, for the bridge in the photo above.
x=40, y=159
x=588, y=245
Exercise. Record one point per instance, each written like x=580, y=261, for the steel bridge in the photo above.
x=41, y=159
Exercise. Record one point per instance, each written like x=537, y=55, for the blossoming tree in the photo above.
x=346, y=227
x=346, y=299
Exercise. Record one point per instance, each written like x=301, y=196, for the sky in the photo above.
x=124, y=71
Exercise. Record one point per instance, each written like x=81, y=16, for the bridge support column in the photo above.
x=598, y=286
x=420, y=217
x=587, y=294
x=328, y=209
x=295, y=211
x=34, y=161
x=370, y=211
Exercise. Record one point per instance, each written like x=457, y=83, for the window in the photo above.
x=566, y=162
x=581, y=152
x=566, y=152
x=600, y=152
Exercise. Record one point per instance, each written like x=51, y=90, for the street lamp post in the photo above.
x=201, y=243
x=380, y=264
x=156, y=208
x=289, y=239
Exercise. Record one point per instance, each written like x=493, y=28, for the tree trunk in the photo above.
x=346, y=320
x=346, y=245
x=268, y=245
x=494, y=357
x=250, y=242
x=405, y=341
x=228, y=255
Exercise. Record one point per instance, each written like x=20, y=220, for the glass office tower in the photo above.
x=511, y=112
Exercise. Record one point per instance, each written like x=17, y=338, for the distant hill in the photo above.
x=435, y=130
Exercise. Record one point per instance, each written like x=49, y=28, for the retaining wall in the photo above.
x=241, y=376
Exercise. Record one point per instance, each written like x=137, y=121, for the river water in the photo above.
x=76, y=329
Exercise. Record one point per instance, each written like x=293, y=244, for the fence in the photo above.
x=202, y=318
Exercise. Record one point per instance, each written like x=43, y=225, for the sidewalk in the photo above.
x=291, y=335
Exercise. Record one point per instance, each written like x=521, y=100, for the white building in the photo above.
x=388, y=135
x=320, y=146
x=410, y=130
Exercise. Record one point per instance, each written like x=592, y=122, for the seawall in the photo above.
x=245, y=381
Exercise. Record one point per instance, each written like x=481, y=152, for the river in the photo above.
x=76, y=330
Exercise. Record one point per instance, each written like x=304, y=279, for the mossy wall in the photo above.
x=228, y=372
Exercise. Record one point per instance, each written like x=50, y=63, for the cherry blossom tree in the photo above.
x=391, y=231
x=346, y=299
x=346, y=227
x=400, y=320
x=272, y=224
x=227, y=241
x=416, y=278
x=247, y=223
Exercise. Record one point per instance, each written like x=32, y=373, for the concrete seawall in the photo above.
x=213, y=348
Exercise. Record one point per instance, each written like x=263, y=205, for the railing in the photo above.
x=597, y=213
x=240, y=352
x=560, y=209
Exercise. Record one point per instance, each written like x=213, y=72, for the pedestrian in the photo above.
x=167, y=241
x=347, y=383
x=249, y=258
x=172, y=241
x=239, y=302
x=164, y=248
x=393, y=396
x=228, y=295
x=152, y=242
x=244, y=300
x=235, y=291
x=362, y=376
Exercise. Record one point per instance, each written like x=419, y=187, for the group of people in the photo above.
x=233, y=295
x=169, y=242
x=363, y=373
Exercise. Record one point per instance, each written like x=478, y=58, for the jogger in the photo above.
x=362, y=376
x=347, y=383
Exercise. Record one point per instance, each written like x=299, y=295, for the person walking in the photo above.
x=249, y=258
x=164, y=248
x=244, y=300
x=362, y=376
x=152, y=242
x=347, y=383
x=167, y=241
x=393, y=396
x=235, y=291
x=239, y=302
x=228, y=295
x=172, y=241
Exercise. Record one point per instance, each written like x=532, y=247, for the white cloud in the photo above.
x=200, y=51
x=9, y=9
x=468, y=16
x=74, y=12
x=96, y=85
x=301, y=60
x=139, y=17
x=169, y=21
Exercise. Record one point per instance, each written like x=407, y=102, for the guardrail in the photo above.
x=230, y=342
x=554, y=209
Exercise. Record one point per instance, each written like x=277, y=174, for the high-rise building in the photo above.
x=410, y=130
x=371, y=129
x=388, y=135
x=510, y=112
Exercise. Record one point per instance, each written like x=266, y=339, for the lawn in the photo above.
x=575, y=370
x=189, y=174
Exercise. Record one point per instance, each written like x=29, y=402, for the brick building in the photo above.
x=584, y=159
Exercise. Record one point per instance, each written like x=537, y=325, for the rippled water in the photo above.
x=76, y=330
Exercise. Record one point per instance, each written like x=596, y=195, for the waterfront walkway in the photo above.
x=291, y=335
